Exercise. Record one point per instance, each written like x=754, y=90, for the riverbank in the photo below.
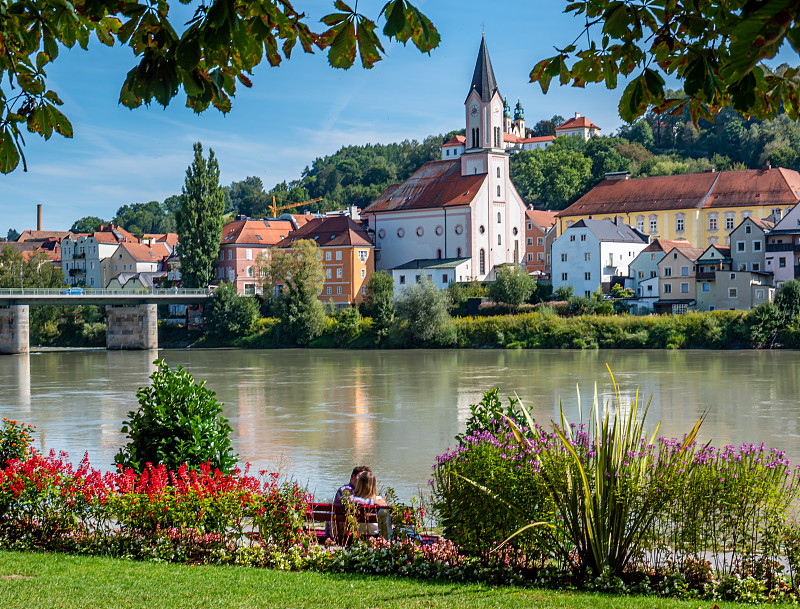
x=538, y=330
x=34, y=581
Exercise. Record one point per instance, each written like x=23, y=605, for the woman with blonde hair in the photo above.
x=366, y=493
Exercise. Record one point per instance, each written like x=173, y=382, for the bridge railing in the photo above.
x=75, y=291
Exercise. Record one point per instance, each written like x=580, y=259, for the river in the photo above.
x=313, y=414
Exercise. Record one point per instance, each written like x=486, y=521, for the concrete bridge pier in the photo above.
x=14, y=329
x=132, y=327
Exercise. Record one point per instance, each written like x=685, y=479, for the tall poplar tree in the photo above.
x=199, y=219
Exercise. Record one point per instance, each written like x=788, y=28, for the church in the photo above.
x=461, y=208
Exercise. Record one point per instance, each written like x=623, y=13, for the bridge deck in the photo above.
x=92, y=296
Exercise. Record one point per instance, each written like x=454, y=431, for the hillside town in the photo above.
x=705, y=241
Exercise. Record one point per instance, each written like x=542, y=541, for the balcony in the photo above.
x=79, y=255
x=706, y=275
x=74, y=272
x=783, y=247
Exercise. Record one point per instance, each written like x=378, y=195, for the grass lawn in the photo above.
x=31, y=581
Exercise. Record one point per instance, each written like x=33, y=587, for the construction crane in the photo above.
x=274, y=208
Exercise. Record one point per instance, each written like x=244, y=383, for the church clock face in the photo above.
x=473, y=110
x=496, y=110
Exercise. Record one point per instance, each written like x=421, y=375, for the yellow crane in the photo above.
x=275, y=208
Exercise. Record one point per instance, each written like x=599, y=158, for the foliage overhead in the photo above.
x=713, y=47
x=223, y=42
x=199, y=219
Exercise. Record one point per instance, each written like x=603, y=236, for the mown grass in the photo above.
x=31, y=581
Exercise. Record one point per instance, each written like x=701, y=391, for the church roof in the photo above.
x=435, y=184
x=483, y=80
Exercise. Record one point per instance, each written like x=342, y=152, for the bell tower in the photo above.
x=484, y=107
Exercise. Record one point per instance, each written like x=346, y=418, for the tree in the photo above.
x=141, y=218
x=423, y=307
x=178, y=421
x=296, y=273
x=12, y=235
x=512, y=286
x=247, y=197
x=199, y=219
x=87, y=224
x=224, y=42
x=787, y=300
x=555, y=176
x=378, y=301
x=642, y=133
x=227, y=314
x=37, y=271
x=714, y=48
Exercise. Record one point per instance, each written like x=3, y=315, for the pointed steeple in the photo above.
x=483, y=80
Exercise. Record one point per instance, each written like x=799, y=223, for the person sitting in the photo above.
x=365, y=492
x=336, y=532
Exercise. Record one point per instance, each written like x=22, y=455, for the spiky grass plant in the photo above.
x=608, y=481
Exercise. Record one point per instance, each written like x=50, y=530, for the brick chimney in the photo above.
x=39, y=217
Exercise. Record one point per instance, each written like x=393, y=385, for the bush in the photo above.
x=16, y=441
x=228, y=315
x=378, y=302
x=512, y=285
x=179, y=421
x=424, y=307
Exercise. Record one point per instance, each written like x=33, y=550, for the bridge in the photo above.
x=131, y=316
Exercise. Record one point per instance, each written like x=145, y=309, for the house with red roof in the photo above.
x=539, y=238
x=82, y=254
x=348, y=256
x=462, y=207
x=242, y=241
x=702, y=208
x=135, y=258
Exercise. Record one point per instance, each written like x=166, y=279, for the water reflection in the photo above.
x=319, y=412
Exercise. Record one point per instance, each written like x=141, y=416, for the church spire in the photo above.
x=483, y=80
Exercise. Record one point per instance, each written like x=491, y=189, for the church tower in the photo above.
x=519, y=120
x=506, y=116
x=484, y=118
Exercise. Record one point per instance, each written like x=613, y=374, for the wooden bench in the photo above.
x=336, y=517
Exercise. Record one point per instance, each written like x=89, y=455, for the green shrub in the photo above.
x=423, y=308
x=16, y=441
x=178, y=421
x=229, y=315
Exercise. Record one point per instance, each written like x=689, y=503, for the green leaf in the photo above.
x=342, y=52
x=60, y=122
x=369, y=47
x=9, y=153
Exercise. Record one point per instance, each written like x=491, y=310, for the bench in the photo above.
x=336, y=516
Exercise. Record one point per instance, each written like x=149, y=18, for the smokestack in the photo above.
x=39, y=217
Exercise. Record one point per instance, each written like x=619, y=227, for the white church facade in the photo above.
x=463, y=206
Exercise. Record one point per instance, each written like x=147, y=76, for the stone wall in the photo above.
x=132, y=327
x=14, y=329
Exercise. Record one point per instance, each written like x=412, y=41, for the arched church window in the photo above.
x=483, y=262
x=499, y=240
x=498, y=172
x=498, y=190
x=439, y=253
x=458, y=252
x=499, y=217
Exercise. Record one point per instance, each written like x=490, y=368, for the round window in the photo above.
x=401, y=233
x=459, y=229
x=481, y=229
x=439, y=230
x=381, y=233
x=420, y=231
x=515, y=231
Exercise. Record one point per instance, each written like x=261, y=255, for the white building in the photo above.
x=82, y=255
x=442, y=272
x=464, y=207
x=591, y=252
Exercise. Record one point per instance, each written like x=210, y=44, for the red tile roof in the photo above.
x=692, y=253
x=764, y=225
x=538, y=139
x=544, y=219
x=43, y=235
x=435, y=184
x=255, y=232
x=113, y=234
x=759, y=187
x=330, y=231
x=456, y=140
x=665, y=245
x=580, y=122
x=170, y=239
x=510, y=137
x=146, y=253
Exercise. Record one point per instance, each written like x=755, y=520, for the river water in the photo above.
x=313, y=414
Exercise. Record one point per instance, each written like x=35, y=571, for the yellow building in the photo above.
x=702, y=208
x=348, y=257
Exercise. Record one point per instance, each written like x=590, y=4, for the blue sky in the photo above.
x=293, y=114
